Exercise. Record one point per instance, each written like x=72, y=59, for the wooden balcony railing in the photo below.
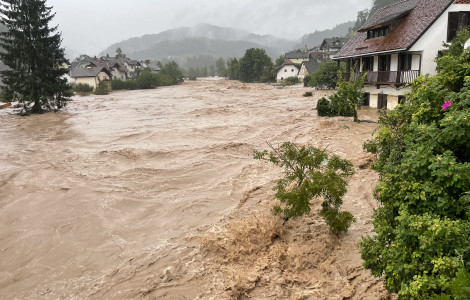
x=385, y=77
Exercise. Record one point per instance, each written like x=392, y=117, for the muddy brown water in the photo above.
x=120, y=178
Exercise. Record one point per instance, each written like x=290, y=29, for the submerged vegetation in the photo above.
x=421, y=243
x=310, y=172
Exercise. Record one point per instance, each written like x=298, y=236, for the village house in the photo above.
x=298, y=56
x=91, y=76
x=331, y=46
x=308, y=68
x=399, y=43
x=288, y=69
x=113, y=66
x=147, y=64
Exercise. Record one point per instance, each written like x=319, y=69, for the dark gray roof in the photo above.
x=335, y=42
x=296, y=54
x=88, y=72
x=312, y=66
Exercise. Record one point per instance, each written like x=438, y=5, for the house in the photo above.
x=91, y=76
x=113, y=66
x=399, y=43
x=133, y=66
x=297, y=56
x=308, y=67
x=288, y=69
x=147, y=64
x=331, y=46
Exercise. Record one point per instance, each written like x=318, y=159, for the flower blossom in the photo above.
x=447, y=104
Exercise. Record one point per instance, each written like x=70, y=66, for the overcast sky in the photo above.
x=89, y=26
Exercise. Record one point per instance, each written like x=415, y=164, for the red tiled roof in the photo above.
x=288, y=62
x=416, y=17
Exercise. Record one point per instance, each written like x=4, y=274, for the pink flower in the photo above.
x=447, y=104
x=424, y=83
x=378, y=194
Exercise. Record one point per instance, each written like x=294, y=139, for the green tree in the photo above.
x=233, y=68
x=120, y=54
x=423, y=224
x=173, y=70
x=33, y=54
x=309, y=173
x=255, y=66
x=326, y=76
x=220, y=67
x=280, y=61
x=212, y=70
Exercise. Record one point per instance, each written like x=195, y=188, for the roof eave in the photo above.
x=369, y=54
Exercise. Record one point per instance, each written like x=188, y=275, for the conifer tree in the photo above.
x=33, y=53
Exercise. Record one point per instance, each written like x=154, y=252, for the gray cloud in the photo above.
x=89, y=26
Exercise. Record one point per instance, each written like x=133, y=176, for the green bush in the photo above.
x=118, y=84
x=422, y=225
x=82, y=89
x=309, y=173
x=307, y=79
x=102, y=89
x=146, y=80
x=164, y=80
x=293, y=80
x=308, y=94
x=323, y=107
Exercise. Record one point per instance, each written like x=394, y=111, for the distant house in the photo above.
x=147, y=64
x=133, y=66
x=331, y=46
x=288, y=69
x=399, y=43
x=91, y=76
x=297, y=56
x=116, y=68
x=308, y=67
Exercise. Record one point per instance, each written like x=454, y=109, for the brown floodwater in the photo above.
x=114, y=178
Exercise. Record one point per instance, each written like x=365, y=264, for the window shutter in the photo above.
x=453, y=25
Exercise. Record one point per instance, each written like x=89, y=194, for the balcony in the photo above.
x=386, y=77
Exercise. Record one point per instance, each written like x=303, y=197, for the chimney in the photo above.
x=147, y=61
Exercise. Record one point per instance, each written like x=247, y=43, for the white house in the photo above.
x=308, y=67
x=288, y=69
x=331, y=46
x=399, y=43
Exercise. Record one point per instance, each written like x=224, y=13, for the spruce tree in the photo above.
x=34, y=56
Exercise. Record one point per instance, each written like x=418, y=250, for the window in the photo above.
x=367, y=64
x=401, y=99
x=382, y=101
x=458, y=20
x=379, y=32
x=366, y=99
x=292, y=70
x=405, y=61
x=285, y=70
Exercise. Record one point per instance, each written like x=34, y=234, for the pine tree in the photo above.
x=33, y=54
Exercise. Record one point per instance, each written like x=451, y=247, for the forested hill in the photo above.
x=199, y=40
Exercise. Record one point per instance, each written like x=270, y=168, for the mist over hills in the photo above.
x=209, y=40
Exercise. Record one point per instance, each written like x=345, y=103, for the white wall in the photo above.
x=376, y=63
x=394, y=62
x=287, y=71
x=431, y=42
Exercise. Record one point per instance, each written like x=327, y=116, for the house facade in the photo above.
x=288, y=69
x=399, y=43
x=308, y=67
x=91, y=76
x=298, y=56
x=331, y=46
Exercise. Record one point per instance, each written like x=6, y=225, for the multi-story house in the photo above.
x=399, y=43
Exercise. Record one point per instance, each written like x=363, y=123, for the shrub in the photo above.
x=307, y=79
x=146, y=80
x=118, y=84
x=308, y=94
x=164, y=80
x=293, y=80
x=323, y=107
x=102, y=88
x=82, y=89
x=423, y=223
x=309, y=173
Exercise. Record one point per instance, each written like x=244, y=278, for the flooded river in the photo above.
x=91, y=195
